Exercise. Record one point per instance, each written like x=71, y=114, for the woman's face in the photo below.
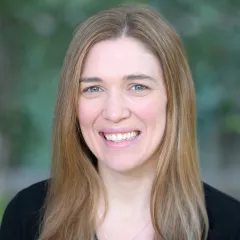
x=122, y=104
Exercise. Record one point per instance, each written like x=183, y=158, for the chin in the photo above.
x=124, y=167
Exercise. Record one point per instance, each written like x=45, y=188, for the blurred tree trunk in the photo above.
x=7, y=68
x=229, y=147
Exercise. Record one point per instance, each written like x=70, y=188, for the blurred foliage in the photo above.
x=20, y=130
x=36, y=34
x=3, y=203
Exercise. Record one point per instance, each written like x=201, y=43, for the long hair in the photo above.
x=178, y=209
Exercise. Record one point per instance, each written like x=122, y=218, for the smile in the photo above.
x=119, y=137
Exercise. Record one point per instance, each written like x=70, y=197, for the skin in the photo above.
x=110, y=100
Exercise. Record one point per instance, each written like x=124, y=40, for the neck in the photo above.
x=128, y=193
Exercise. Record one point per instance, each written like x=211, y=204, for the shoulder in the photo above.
x=31, y=199
x=34, y=195
x=23, y=214
x=223, y=213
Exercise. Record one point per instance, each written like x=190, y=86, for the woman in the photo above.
x=124, y=155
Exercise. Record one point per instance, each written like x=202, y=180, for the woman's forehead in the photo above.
x=120, y=57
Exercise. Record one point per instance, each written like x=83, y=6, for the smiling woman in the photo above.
x=118, y=109
x=125, y=162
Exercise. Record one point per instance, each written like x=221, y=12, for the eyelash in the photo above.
x=134, y=85
x=88, y=88
x=145, y=87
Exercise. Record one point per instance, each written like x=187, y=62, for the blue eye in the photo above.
x=92, y=89
x=139, y=87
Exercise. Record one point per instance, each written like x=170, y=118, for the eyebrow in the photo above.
x=138, y=77
x=90, y=79
x=126, y=77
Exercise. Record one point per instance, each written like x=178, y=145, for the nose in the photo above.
x=115, y=107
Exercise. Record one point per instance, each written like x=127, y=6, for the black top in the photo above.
x=22, y=215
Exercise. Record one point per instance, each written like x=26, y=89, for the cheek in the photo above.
x=87, y=112
x=153, y=112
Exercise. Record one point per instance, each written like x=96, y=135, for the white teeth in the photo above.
x=121, y=137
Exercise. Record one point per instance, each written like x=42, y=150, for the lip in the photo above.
x=118, y=130
x=121, y=144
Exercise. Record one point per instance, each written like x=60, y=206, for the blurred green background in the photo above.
x=34, y=38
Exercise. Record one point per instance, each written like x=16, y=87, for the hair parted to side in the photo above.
x=177, y=201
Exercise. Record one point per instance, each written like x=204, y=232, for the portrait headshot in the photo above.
x=125, y=159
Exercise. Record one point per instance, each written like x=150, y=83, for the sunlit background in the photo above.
x=33, y=40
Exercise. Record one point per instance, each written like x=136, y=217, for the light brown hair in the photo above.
x=177, y=200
